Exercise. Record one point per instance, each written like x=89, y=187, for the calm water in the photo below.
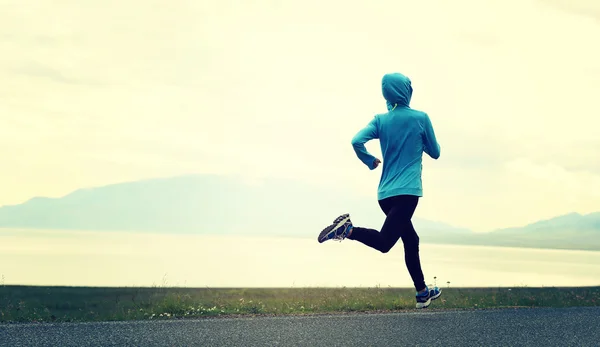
x=129, y=259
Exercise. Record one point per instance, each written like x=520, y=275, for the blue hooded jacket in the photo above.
x=404, y=134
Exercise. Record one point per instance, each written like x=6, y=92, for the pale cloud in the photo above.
x=116, y=91
x=551, y=188
x=585, y=8
x=38, y=70
x=570, y=183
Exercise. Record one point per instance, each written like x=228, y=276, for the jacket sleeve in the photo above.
x=432, y=147
x=366, y=134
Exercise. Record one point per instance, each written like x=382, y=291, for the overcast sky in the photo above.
x=99, y=92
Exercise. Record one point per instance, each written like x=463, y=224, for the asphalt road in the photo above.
x=508, y=327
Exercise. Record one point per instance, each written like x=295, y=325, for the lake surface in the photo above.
x=40, y=257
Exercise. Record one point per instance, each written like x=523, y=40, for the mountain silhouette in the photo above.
x=213, y=204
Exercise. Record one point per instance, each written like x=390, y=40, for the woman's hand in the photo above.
x=376, y=163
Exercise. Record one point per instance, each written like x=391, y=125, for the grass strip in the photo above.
x=85, y=304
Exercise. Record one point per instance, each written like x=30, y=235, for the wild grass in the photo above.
x=78, y=304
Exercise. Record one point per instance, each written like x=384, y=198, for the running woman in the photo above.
x=404, y=135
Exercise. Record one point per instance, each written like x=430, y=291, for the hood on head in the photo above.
x=397, y=90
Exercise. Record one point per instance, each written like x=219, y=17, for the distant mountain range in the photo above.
x=227, y=205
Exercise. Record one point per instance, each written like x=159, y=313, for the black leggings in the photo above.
x=399, y=211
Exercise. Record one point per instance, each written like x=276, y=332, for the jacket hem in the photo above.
x=399, y=191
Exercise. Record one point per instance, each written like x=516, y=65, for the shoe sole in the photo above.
x=426, y=304
x=338, y=222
